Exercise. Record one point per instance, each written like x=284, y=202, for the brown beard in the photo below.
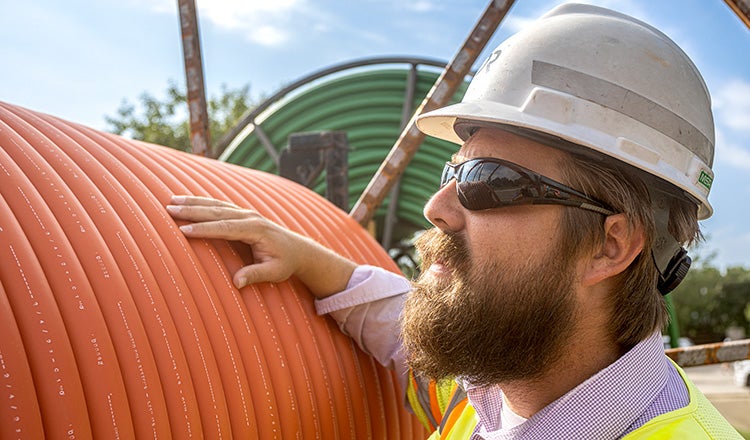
x=499, y=321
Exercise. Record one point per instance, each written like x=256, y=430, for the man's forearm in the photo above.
x=324, y=272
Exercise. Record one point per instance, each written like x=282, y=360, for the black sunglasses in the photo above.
x=486, y=183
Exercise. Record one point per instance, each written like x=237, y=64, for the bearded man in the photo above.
x=584, y=166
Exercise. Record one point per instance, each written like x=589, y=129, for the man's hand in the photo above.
x=278, y=253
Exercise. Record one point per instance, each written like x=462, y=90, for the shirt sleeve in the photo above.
x=368, y=311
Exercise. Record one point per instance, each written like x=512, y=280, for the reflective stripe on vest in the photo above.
x=430, y=400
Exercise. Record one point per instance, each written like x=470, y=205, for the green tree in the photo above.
x=166, y=122
x=708, y=301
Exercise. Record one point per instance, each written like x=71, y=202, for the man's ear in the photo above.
x=623, y=242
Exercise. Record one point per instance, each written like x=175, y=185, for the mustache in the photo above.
x=448, y=248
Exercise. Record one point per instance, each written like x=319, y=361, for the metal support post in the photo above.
x=200, y=137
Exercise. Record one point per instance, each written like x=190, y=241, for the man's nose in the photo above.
x=444, y=210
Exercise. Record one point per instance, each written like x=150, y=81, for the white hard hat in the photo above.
x=601, y=80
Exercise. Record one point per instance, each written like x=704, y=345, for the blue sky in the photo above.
x=79, y=59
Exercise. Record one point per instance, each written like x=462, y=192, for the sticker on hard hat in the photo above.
x=705, y=179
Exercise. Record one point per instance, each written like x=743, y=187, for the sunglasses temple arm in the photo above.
x=574, y=199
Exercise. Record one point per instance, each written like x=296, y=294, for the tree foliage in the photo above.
x=710, y=301
x=165, y=122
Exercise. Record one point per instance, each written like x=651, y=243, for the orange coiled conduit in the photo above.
x=113, y=325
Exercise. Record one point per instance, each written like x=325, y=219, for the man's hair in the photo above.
x=638, y=308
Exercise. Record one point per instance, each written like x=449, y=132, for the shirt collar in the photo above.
x=603, y=406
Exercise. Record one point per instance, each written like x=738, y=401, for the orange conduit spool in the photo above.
x=114, y=325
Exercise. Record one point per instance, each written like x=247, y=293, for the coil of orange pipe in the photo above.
x=114, y=325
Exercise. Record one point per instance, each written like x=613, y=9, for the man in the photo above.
x=587, y=141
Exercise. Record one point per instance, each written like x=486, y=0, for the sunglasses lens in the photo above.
x=486, y=185
x=476, y=196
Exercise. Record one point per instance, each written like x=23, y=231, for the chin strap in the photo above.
x=671, y=259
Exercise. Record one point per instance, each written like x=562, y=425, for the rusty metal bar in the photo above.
x=445, y=86
x=741, y=8
x=710, y=353
x=200, y=136
x=406, y=111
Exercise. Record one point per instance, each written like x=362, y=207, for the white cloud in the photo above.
x=737, y=156
x=160, y=6
x=515, y=23
x=732, y=119
x=420, y=6
x=267, y=35
x=732, y=106
x=731, y=154
x=263, y=22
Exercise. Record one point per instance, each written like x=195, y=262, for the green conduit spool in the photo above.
x=367, y=104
